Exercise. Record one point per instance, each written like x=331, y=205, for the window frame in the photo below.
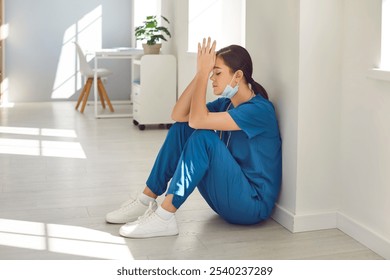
x=382, y=72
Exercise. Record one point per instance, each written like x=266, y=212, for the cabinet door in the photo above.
x=136, y=93
x=157, y=94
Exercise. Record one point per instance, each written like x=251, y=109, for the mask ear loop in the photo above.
x=230, y=83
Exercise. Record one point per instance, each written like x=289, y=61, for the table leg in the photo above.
x=95, y=86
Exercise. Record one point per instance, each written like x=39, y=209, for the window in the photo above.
x=141, y=9
x=382, y=72
x=385, y=45
x=222, y=20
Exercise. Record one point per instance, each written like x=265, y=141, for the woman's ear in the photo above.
x=239, y=75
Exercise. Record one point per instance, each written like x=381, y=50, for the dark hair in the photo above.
x=238, y=58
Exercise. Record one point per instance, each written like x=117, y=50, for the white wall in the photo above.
x=297, y=54
x=313, y=57
x=186, y=63
x=168, y=10
x=39, y=50
x=273, y=43
x=320, y=53
x=365, y=131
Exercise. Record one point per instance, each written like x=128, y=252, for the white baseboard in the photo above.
x=317, y=221
x=284, y=217
x=300, y=223
x=327, y=220
x=369, y=238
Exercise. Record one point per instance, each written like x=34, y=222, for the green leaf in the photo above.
x=150, y=31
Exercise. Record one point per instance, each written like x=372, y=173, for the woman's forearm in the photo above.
x=181, y=110
x=198, y=109
x=191, y=105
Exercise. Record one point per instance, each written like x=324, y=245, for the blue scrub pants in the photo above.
x=198, y=158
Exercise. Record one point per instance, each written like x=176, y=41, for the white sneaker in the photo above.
x=150, y=225
x=129, y=211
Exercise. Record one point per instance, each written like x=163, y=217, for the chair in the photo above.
x=88, y=73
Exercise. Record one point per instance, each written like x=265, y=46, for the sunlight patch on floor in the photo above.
x=38, y=147
x=54, y=132
x=63, y=239
x=28, y=147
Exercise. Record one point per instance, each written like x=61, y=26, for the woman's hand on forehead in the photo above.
x=206, y=55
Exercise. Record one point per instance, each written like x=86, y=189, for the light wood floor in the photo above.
x=61, y=172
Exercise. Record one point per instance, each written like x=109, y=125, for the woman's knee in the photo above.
x=204, y=135
x=181, y=126
x=181, y=130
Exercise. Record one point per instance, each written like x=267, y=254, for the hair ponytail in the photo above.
x=257, y=88
x=238, y=58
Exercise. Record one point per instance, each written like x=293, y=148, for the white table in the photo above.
x=115, y=53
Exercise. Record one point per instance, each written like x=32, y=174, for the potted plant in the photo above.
x=152, y=33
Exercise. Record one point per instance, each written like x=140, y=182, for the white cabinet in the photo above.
x=153, y=89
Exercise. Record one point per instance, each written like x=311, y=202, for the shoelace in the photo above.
x=148, y=213
x=124, y=208
x=146, y=216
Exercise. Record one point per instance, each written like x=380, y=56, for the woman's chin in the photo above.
x=216, y=93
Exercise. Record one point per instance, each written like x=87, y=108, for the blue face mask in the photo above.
x=229, y=91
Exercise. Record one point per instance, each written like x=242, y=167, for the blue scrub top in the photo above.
x=257, y=146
